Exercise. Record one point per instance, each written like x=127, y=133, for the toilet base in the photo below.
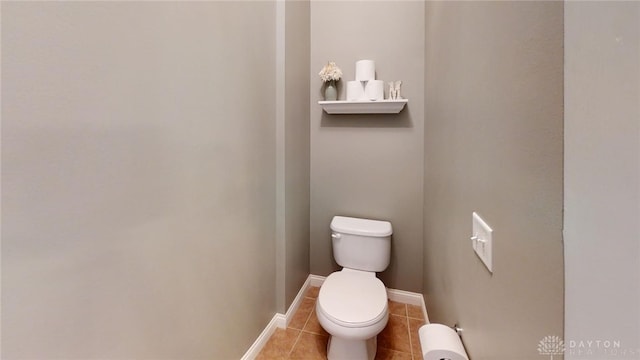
x=347, y=349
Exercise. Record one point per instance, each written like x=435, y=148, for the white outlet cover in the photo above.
x=481, y=240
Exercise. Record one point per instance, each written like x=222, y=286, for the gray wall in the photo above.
x=138, y=207
x=296, y=142
x=602, y=178
x=493, y=144
x=363, y=165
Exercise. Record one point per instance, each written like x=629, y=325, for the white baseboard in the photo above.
x=297, y=301
x=316, y=280
x=278, y=321
x=282, y=321
x=407, y=297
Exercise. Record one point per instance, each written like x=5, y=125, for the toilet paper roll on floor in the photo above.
x=441, y=342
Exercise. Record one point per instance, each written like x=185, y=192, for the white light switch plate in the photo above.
x=481, y=240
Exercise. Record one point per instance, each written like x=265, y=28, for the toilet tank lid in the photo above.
x=363, y=227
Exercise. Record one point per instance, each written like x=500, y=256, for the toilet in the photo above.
x=352, y=304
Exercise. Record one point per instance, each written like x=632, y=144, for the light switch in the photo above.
x=481, y=240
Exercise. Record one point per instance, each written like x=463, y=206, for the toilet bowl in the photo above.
x=352, y=303
x=352, y=307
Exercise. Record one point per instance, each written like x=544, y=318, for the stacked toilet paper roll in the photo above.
x=365, y=70
x=441, y=342
x=355, y=91
x=374, y=90
x=365, y=87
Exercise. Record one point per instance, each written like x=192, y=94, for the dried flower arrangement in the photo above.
x=330, y=72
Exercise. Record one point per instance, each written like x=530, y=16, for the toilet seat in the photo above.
x=353, y=298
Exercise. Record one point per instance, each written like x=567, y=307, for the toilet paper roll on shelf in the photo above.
x=441, y=342
x=374, y=90
x=365, y=70
x=355, y=91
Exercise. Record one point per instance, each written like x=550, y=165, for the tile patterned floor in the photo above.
x=305, y=338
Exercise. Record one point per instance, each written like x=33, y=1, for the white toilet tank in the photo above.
x=361, y=244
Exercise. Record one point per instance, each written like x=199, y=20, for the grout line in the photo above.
x=407, y=322
x=294, y=344
x=406, y=308
x=417, y=318
x=301, y=330
x=404, y=298
x=309, y=316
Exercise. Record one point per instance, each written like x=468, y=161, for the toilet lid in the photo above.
x=353, y=299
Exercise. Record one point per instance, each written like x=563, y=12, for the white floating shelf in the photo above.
x=364, y=107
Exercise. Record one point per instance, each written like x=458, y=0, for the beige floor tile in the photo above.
x=415, y=311
x=397, y=308
x=279, y=345
x=310, y=347
x=414, y=326
x=387, y=354
x=300, y=318
x=306, y=339
x=312, y=292
x=395, y=335
x=313, y=326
